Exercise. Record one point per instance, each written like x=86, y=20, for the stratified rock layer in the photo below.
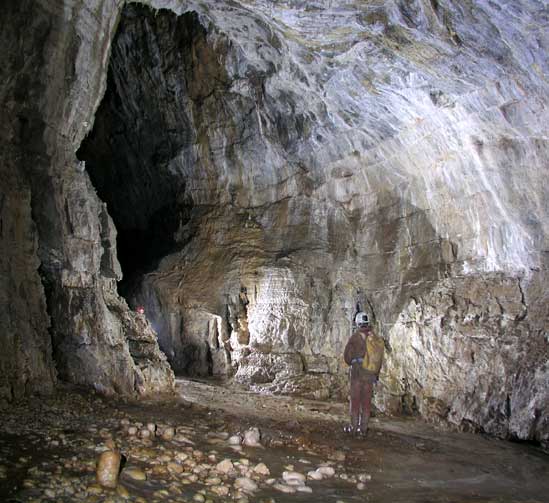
x=377, y=163
x=276, y=164
x=54, y=63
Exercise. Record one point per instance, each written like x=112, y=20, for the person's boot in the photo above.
x=361, y=433
x=362, y=429
x=348, y=428
x=352, y=426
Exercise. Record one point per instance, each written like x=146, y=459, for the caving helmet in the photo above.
x=362, y=320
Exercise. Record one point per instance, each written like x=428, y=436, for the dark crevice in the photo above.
x=143, y=134
x=166, y=92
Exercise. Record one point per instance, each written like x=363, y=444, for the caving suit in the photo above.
x=364, y=353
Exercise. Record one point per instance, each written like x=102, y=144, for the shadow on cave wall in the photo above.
x=167, y=118
x=143, y=123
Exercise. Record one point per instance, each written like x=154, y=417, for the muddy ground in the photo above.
x=49, y=449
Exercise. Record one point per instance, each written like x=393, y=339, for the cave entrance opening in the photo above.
x=142, y=145
x=140, y=134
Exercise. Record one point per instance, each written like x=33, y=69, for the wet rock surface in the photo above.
x=49, y=452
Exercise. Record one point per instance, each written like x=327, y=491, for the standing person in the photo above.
x=364, y=354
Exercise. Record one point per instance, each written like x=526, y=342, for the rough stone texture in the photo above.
x=274, y=164
x=393, y=156
x=25, y=360
x=472, y=358
x=97, y=340
x=54, y=82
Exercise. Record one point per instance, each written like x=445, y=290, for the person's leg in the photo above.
x=365, y=404
x=355, y=398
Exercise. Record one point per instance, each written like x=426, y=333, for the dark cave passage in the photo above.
x=143, y=135
x=143, y=147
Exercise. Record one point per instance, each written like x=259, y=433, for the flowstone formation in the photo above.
x=272, y=165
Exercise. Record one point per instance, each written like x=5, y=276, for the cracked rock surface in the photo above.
x=270, y=165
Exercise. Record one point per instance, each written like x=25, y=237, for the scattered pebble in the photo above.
x=293, y=478
x=364, y=477
x=180, y=462
x=168, y=433
x=135, y=473
x=314, y=475
x=262, y=469
x=175, y=467
x=95, y=489
x=252, y=438
x=122, y=492
x=326, y=471
x=226, y=466
x=284, y=488
x=221, y=490
x=246, y=484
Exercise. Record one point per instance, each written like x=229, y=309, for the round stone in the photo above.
x=94, y=489
x=135, y=473
x=283, y=488
x=262, y=469
x=245, y=484
x=226, y=466
x=175, y=467
x=314, y=475
x=168, y=433
x=221, y=490
x=293, y=478
x=252, y=437
x=326, y=471
x=122, y=492
x=212, y=481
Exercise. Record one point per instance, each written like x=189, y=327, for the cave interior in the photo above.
x=200, y=197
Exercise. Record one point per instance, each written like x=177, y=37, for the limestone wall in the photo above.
x=56, y=55
x=315, y=155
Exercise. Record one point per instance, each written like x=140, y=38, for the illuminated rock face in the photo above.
x=274, y=165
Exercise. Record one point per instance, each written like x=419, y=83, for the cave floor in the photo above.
x=49, y=448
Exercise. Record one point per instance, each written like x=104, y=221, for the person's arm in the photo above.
x=347, y=353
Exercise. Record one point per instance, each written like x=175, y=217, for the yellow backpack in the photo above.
x=374, y=354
